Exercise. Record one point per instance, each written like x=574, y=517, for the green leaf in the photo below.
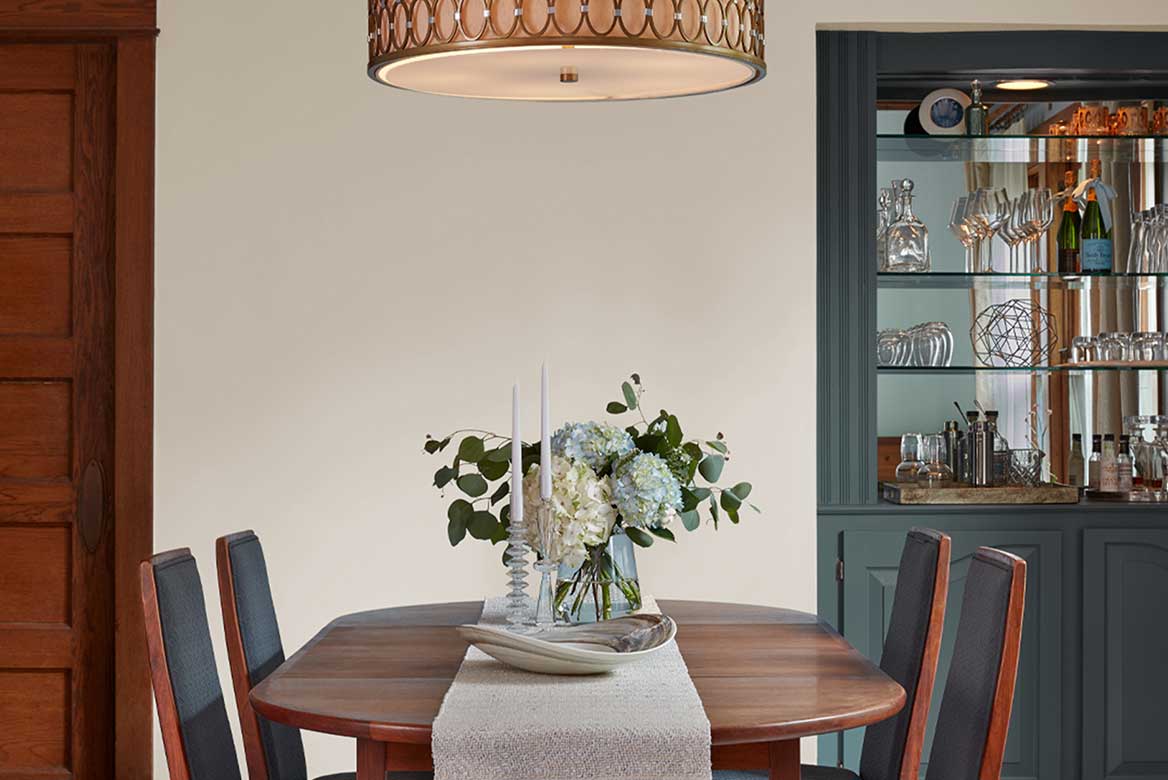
x=651, y=442
x=636, y=379
x=442, y=444
x=717, y=445
x=688, y=500
x=733, y=515
x=691, y=519
x=742, y=490
x=443, y=476
x=472, y=484
x=491, y=469
x=500, y=535
x=730, y=501
x=500, y=493
x=663, y=533
x=702, y=493
x=471, y=449
x=756, y=509
x=500, y=454
x=639, y=537
x=714, y=512
x=673, y=431
x=630, y=395
x=432, y=446
x=482, y=525
x=616, y=407
x=711, y=467
x=459, y=514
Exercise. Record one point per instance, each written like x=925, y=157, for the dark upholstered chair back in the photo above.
x=274, y=751
x=195, y=730
x=979, y=691
x=892, y=748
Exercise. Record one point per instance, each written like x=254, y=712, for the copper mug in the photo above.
x=1131, y=120
x=1160, y=121
x=1092, y=119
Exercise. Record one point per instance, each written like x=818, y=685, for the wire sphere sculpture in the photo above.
x=1015, y=334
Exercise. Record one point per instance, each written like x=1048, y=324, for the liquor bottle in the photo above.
x=1075, y=467
x=1096, y=247
x=1001, y=450
x=977, y=116
x=1068, y=232
x=1108, y=467
x=1124, y=460
x=1093, y=463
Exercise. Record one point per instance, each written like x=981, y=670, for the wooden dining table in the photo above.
x=766, y=677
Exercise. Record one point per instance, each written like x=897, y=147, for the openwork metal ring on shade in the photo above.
x=566, y=50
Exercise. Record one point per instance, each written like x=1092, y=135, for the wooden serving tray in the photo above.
x=960, y=493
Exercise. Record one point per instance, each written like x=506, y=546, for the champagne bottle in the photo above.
x=1068, y=232
x=1096, y=248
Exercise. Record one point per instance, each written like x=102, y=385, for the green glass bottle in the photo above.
x=1096, y=249
x=1068, y=232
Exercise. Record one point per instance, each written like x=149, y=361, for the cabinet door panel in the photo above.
x=871, y=559
x=1125, y=644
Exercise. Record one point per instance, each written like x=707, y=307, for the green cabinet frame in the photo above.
x=1093, y=689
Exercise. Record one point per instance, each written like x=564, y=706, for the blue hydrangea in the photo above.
x=596, y=444
x=646, y=492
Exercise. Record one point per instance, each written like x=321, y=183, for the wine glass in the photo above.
x=1043, y=218
x=960, y=228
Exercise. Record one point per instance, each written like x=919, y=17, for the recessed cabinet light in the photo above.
x=1022, y=85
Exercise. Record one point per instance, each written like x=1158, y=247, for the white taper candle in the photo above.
x=545, y=439
x=516, y=460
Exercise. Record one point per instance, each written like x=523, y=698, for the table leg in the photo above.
x=784, y=760
x=370, y=759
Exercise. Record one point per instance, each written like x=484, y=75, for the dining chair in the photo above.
x=970, y=739
x=254, y=650
x=892, y=748
x=195, y=732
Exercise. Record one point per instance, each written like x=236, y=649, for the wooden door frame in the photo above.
x=130, y=28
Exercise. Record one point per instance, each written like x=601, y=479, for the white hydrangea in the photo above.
x=581, y=508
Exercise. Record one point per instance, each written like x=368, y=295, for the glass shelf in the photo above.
x=1019, y=148
x=1061, y=368
x=953, y=280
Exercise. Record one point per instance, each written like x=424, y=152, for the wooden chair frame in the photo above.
x=910, y=764
x=172, y=741
x=253, y=746
x=995, y=746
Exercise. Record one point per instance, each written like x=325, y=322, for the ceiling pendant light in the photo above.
x=560, y=50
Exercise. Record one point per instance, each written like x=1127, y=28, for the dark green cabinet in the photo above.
x=1125, y=654
x=871, y=557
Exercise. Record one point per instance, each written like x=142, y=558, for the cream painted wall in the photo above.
x=342, y=269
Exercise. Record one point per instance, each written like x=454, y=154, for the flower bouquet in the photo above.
x=638, y=482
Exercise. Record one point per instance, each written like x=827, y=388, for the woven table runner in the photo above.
x=643, y=721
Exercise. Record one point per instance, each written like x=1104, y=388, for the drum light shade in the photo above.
x=566, y=50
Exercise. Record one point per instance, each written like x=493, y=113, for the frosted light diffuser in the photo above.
x=1022, y=85
x=566, y=50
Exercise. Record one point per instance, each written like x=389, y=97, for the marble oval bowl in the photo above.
x=594, y=648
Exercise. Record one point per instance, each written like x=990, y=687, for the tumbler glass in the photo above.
x=910, y=457
x=934, y=471
x=1083, y=349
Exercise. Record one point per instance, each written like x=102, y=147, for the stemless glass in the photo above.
x=1147, y=346
x=910, y=457
x=1114, y=347
x=893, y=348
x=934, y=471
x=1083, y=349
x=1149, y=443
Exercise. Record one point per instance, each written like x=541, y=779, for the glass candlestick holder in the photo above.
x=545, y=606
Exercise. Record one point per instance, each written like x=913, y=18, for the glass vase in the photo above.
x=605, y=586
